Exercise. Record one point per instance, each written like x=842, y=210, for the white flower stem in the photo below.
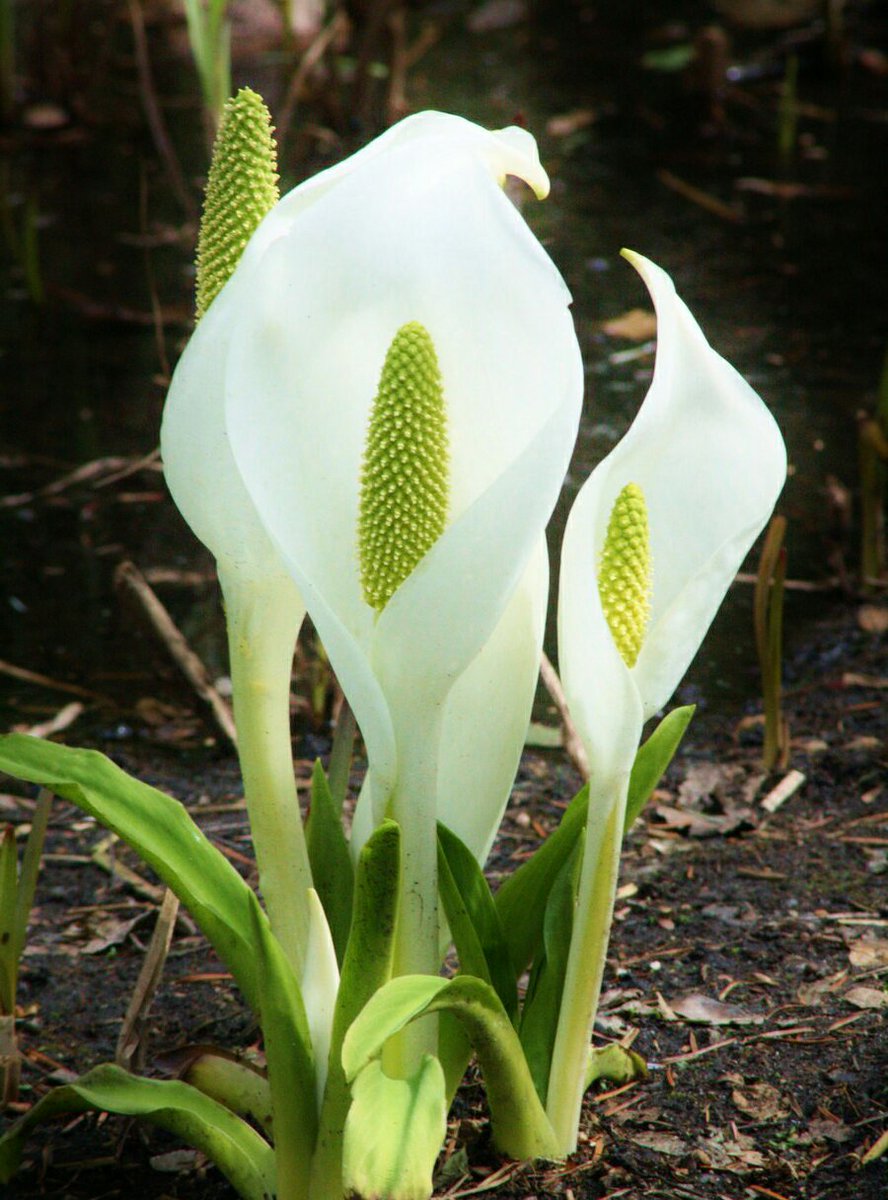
x=263, y=623
x=414, y=807
x=585, y=966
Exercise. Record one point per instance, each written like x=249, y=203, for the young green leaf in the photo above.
x=331, y=864
x=653, y=758
x=521, y=1128
x=394, y=1130
x=240, y=1153
x=521, y=901
x=614, y=1063
x=473, y=919
x=539, y=1016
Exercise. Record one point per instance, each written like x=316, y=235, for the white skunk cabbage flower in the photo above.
x=653, y=541
x=403, y=387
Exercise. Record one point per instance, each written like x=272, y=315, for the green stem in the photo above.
x=413, y=806
x=263, y=623
x=365, y=969
x=585, y=966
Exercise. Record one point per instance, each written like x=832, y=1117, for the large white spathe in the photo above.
x=710, y=462
x=416, y=228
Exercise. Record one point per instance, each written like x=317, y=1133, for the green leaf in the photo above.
x=876, y=1150
x=670, y=58
x=30, y=868
x=521, y=1128
x=239, y=1152
x=653, y=758
x=521, y=901
x=365, y=969
x=616, y=1063
x=161, y=831
x=331, y=864
x=539, y=1016
x=473, y=919
x=394, y=1130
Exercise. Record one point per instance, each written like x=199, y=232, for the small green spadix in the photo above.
x=242, y=187
x=624, y=575
x=404, y=479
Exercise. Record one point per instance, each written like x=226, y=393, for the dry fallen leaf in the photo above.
x=704, y=782
x=731, y=1154
x=661, y=1143
x=873, y=618
x=564, y=124
x=704, y=1010
x=866, y=997
x=811, y=994
x=761, y=1101
x=638, y=324
x=702, y=825
x=826, y=1131
x=111, y=931
x=869, y=951
x=497, y=14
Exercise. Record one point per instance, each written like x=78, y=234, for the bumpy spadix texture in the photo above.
x=624, y=576
x=241, y=189
x=403, y=504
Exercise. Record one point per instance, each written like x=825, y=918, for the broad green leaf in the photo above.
x=473, y=919
x=365, y=968
x=539, y=1016
x=615, y=1063
x=331, y=864
x=653, y=758
x=161, y=831
x=521, y=901
x=291, y=1070
x=240, y=1086
x=394, y=1130
x=239, y=1152
x=521, y=1128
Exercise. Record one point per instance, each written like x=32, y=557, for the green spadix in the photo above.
x=242, y=187
x=404, y=480
x=624, y=576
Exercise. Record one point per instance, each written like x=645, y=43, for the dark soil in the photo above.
x=747, y=952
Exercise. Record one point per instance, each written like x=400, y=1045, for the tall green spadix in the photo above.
x=242, y=187
x=404, y=479
x=624, y=575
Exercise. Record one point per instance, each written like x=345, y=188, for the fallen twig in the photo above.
x=572, y=743
x=63, y=718
x=130, y=577
x=132, y=1042
x=56, y=685
x=788, y=786
x=702, y=199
